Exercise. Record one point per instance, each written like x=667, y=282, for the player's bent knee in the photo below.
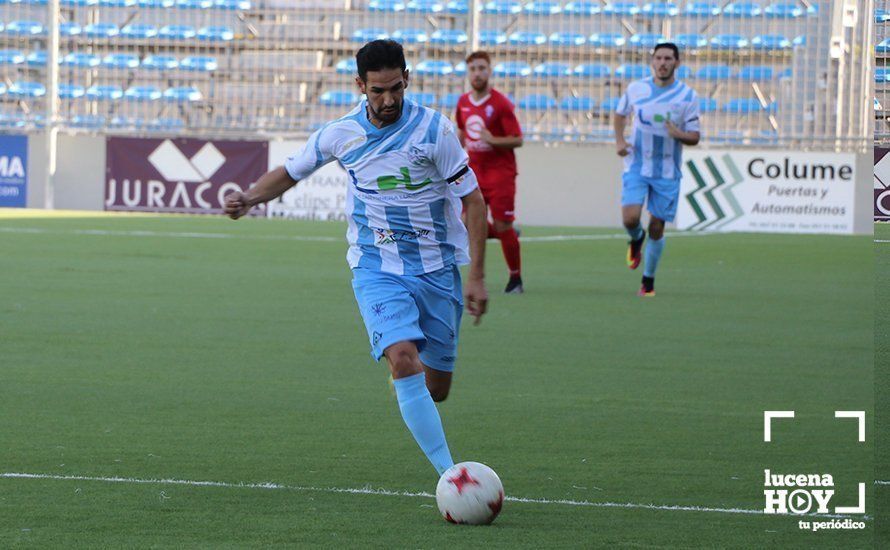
x=500, y=226
x=403, y=359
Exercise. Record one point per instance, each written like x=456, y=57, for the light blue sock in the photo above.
x=636, y=233
x=653, y=254
x=422, y=418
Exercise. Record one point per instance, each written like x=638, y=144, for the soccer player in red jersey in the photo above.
x=489, y=130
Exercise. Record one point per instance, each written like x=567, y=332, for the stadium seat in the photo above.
x=199, y=64
x=156, y=3
x=606, y=40
x=449, y=101
x=512, y=68
x=502, y=7
x=460, y=69
x=165, y=123
x=24, y=28
x=424, y=6
x=714, y=72
x=609, y=104
x=813, y=9
x=646, y=40
x=120, y=61
x=881, y=16
x=552, y=70
x=632, y=72
x=182, y=94
x=784, y=10
x=742, y=9
x=11, y=57
x=449, y=37
x=410, y=36
x=742, y=106
x=339, y=98
x=216, y=34
x=101, y=30
x=78, y=3
x=457, y=7
x=683, y=72
x=492, y=37
x=883, y=46
x=592, y=70
x=69, y=29
x=26, y=90
x=2, y=89
x=786, y=73
x=177, y=32
x=423, y=98
x=139, y=31
x=755, y=72
x=567, y=39
x=125, y=122
x=391, y=6
x=703, y=9
x=621, y=9
x=367, y=35
x=543, y=7
x=142, y=93
x=347, y=66
x=537, y=102
x=36, y=59
x=160, y=62
x=729, y=42
x=877, y=104
x=70, y=91
x=104, y=93
x=7, y=121
x=582, y=8
x=799, y=41
x=770, y=42
x=430, y=67
x=240, y=5
x=882, y=75
x=691, y=41
x=194, y=4
x=82, y=60
x=524, y=38
x=707, y=104
x=88, y=121
x=117, y=3
x=661, y=9
x=582, y=104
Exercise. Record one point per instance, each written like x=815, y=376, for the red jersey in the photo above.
x=494, y=112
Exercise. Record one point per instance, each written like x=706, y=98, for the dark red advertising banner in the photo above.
x=179, y=175
x=882, y=184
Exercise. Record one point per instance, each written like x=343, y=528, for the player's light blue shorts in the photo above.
x=425, y=309
x=663, y=194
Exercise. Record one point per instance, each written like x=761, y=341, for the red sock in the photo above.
x=492, y=234
x=510, y=245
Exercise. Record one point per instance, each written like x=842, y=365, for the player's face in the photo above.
x=664, y=63
x=478, y=71
x=385, y=90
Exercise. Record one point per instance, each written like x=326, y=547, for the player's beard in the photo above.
x=383, y=116
x=670, y=75
x=479, y=86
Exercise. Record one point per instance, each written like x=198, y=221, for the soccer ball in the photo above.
x=470, y=493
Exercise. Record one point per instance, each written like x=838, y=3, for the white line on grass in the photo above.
x=882, y=482
x=367, y=490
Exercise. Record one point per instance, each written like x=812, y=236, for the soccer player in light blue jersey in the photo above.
x=665, y=117
x=409, y=180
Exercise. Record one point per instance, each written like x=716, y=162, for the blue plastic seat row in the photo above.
x=133, y=31
x=242, y=5
x=176, y=94
x=778, y=10
x=882, y=16
x=112, y=61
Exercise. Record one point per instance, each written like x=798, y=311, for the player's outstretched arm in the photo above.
x=619, y=122
x=475, y=294
x=269, y=186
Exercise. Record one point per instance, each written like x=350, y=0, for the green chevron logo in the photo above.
x=715, y=216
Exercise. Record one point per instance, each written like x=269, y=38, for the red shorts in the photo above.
x=499, y=192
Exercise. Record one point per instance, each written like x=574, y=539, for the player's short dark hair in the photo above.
x=378, y=55
x=669, y=45
x=478, y=54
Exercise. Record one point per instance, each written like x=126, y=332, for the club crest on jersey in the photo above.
x=489, y=110
x=417, y=156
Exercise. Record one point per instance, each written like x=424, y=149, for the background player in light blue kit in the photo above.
x=666, y=117
x=409, y=180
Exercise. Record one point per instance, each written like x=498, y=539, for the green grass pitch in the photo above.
x=201, y=349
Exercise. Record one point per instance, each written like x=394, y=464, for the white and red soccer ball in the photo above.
x=470, y=493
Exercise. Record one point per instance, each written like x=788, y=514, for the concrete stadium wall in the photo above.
x=563, y=185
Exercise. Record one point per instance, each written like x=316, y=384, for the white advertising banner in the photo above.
x=321, y=196
x=767, y=191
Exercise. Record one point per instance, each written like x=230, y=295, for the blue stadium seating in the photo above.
x=512, y=68
x=622, y=9
x=492, y=37
x=78, y=3
x=216, y=34
x=582, y=8
x=683, y=72
x=537, y=102
x=2, y=89
x=165, y=123
x=630, y=71
x=460, y=69
x=339, y=98
x=71, y=91
x=661, y=9
x=11, y=57
x=182, y=94
x=610, y=104
x=424, y=6
x=786, y=73
x=194, y=4
x=743, y=9
x=742, y=106
x=7, y=121
x=567, y=39
x=25, y=28
x=882, y=16
x=82, y=60
x=592, y=70
x=784, y=10
x=878, y=106
x=425, y=98
x=199, y=63
x=367, y=35
x=502, y=7
x=101, y=30
x=449, y=37
x=88, y=121
x=755, y=72
x=729, y=42
x=707, y=105
x=410, y=36
x=36, y=59
x=177, y=32
x=552, y=70
x=703, y=9
x=449, y=101
x=714, y=72
x=883, y=46
x=882, y=75
x=160, y=62
x=104, y=93
x=800, y=41
x=26, y=90
x=347, y=66
x=386, y=5
x=69, y=29
x=142, y=94
x=240, y=5
x=691, y=41
x=457, y=7
x=646, y=40
x=120, y=61
x=583, y=104
x=156, y=3
x=118, y=3
x=543, y=7
x=523, y=38
x=430, y=67
x=606, y=40
x=139, y=31
x=770, y=42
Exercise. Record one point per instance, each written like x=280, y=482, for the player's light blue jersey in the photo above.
x=406, y=180
x=655, y=153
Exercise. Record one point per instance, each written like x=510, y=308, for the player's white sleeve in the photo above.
x=452, y=162
x=692, y=122
x=624, y=107
x=315, y=154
